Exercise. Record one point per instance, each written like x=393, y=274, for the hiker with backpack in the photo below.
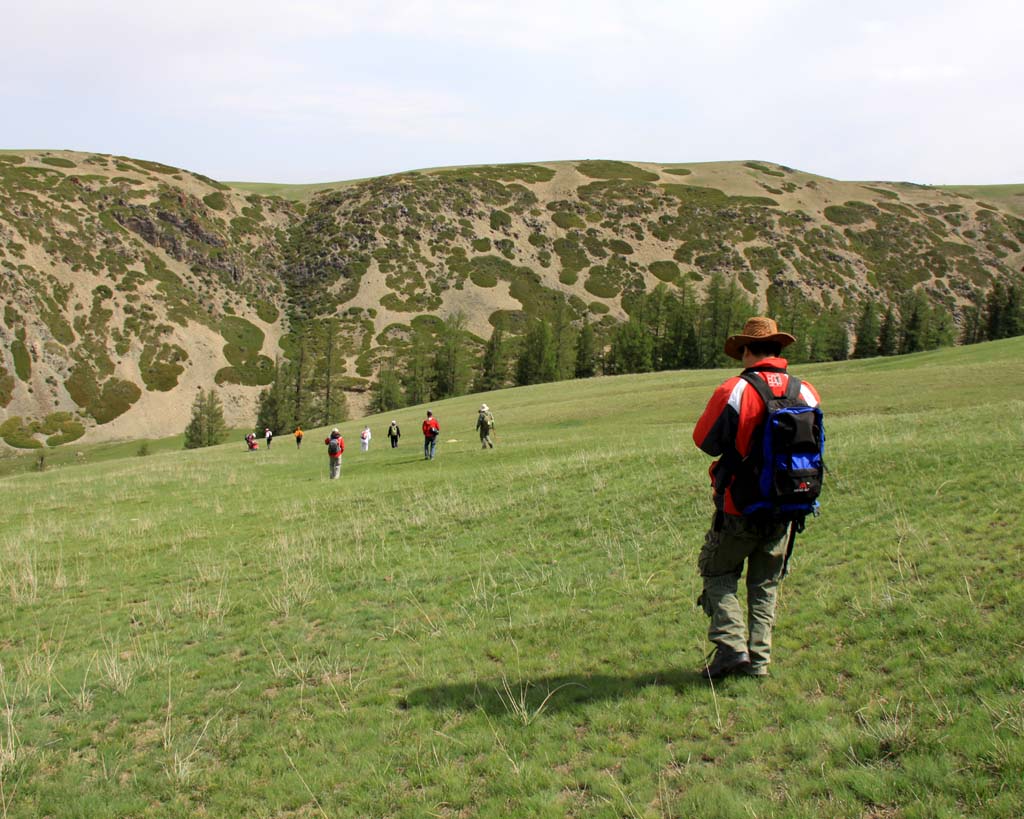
x=335, y=447
x=431, y=429
x=394, y=433
x=485, y=426
x=364, y=439
x=766, y=429
x=298, y=437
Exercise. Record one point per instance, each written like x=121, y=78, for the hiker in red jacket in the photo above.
x=431, y=429
x=335, y=446
x=728, y=429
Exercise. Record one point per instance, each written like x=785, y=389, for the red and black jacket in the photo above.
x=729, y=425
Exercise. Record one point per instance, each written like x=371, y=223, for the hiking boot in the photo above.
x=760, y=670
x=726, y=662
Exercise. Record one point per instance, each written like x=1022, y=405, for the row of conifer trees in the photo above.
x=666, y=329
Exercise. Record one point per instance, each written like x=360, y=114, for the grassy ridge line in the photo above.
x=512, y=632
x=1010, y=197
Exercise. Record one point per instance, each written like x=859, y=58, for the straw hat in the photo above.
x=757, y=328
x=483, y=408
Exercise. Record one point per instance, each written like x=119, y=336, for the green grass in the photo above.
x=513, y=633
x=1010, y=197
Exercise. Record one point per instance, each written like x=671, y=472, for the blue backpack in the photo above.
x=789, y=468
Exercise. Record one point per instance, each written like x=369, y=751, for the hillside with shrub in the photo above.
x=128, y=285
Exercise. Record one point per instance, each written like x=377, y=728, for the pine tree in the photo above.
x=1013, y=310
x=867, y=332
x=274, y=408
x=386, y=394
x=419, y=374
x=995, y=307
x=586, y=352
x=973, y=331
x=563, y=337
x=913, y=327
x=538, y=361
x=494, y=367
x=888, y=335
x=207, y=426
x=452, y=365
x=632, y=348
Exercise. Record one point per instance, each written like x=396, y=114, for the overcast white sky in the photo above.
x=314, y=91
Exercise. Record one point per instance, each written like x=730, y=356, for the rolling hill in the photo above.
x=128, y=284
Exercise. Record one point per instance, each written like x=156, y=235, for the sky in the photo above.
x=317, y=91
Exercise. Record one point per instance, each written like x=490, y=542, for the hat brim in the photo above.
x=735, y=344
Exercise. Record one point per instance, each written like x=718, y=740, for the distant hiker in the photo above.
x=364, y=439
x=485, y=425
x=298, y=437
x=732, y=427
x=269, y=436
x=250, y=442
x=335, y=447
x=431, y=429
x=394, y=433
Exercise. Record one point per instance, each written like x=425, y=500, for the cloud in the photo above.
x=865, y=85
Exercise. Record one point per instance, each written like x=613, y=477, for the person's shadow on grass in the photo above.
x=528, y=698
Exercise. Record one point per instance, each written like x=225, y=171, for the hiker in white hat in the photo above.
x=485, y=426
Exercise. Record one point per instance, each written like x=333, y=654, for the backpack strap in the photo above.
x=795, y=528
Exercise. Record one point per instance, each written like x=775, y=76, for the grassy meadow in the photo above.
x=513, y=632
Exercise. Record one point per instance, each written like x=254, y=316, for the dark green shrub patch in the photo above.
x=883, y=192
x=513, y=322
x=620, y=247
x=852, y=213
x=267, y=311
x=68, y=429
x=566, y=220
x=241, y=335
x=213, y=183
x=501, y=173
x=481, y=245
x=484, y=271
x=761, y=168
x=500, y=219
x=18, y=434
x=22, y=359
x=57, y=161
x=571, y=255
x=612, y=169
x=665, y=271
x=677, y=171
x=215, y=200
x=154, y=167
x=115, y=399
x=600, y=282
x=244, y=342
x=82, y=384
x=765, y=258
x=161, y=364
x=6, y=386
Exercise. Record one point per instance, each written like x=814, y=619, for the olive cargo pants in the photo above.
x=730, y=541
